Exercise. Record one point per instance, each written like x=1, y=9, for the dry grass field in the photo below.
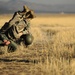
x=52, y=52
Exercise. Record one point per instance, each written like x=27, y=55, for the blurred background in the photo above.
x=39, y=6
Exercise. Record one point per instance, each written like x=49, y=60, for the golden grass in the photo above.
x=53, y=49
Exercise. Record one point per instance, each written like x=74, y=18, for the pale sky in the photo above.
x=50, y=1
x=53, y=1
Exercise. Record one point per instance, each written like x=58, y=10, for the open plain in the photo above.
x=52, y=52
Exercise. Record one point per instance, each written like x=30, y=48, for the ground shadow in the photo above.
x=18, y=60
